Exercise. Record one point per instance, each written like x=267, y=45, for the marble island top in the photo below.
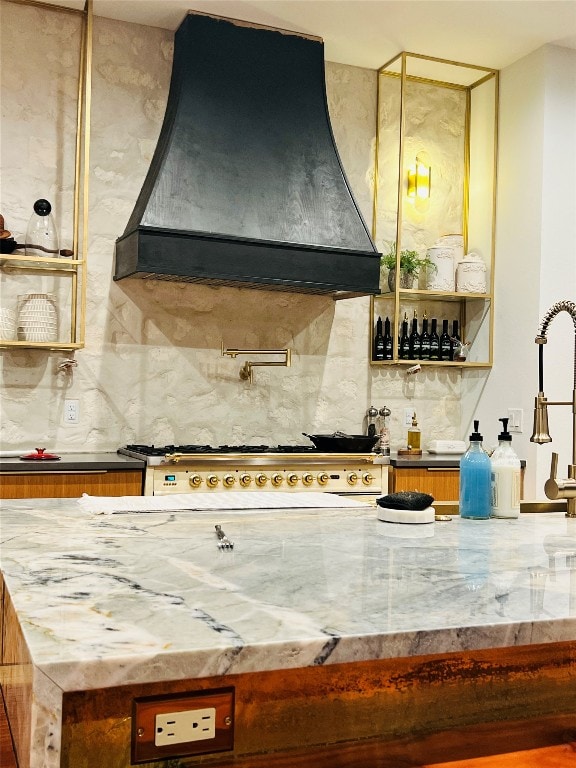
x=135, y=598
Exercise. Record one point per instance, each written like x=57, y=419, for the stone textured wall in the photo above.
x=151, y=370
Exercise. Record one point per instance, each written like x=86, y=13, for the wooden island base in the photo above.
x=393, y=713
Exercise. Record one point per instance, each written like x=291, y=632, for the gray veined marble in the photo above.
x=133, y=598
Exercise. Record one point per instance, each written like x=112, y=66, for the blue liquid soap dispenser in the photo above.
x=475, y=480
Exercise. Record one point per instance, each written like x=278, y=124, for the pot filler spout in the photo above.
x=246, y=187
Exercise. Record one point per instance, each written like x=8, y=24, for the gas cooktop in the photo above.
x=153, y=450
x=154, y=454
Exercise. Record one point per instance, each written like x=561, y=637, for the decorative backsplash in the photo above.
x=152, y=369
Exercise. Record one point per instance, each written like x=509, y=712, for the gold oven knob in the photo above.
x=228, y=481
x=195, y=481
x=261, y=479
x=292, y=479
x=367, y=478
x=245, y=480
x=212, y=481
x=352, y=478
x=307, y=478
x=322, y=478
x=277, y=479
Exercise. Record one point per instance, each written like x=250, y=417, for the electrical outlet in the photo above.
x=515, y=419
x=408, y=414
x=71, y=411
x=190, y=725
x=179, y=725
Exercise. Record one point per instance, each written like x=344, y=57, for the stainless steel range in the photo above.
x=189, y=468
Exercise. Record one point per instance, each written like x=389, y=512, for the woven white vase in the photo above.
x=37, y=317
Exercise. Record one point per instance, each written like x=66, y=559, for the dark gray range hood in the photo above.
x=246, y=187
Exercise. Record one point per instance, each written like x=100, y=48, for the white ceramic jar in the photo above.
x=440, y=276
x=471, y=274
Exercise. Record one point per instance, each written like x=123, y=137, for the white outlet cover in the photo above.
x=186, y=726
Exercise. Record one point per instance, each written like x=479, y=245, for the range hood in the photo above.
x=246, y=187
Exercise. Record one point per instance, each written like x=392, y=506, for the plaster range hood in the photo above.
x=246, y=187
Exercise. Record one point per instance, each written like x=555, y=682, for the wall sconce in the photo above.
x=420, y=181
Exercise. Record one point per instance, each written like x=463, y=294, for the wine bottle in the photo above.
x=414, y=339
x=445, y=343
x=454, y=339
x=425, y=340
x=388, y=351
x=378, y=353
x=434, y=341
x=404, y=344
x=455, y=334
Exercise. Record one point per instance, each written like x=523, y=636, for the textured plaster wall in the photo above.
x=151, y=370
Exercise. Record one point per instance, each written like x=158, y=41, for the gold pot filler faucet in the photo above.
x=246, y=370
x=555, y=488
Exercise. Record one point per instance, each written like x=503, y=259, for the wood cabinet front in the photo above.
x=441, y=483
x=70, y=485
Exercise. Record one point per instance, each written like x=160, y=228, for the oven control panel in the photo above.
x=351, y=479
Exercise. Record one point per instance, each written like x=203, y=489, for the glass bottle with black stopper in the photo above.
x=425, y=340
x=378, y=352
x=434, y=341
x=404, y=344
x=388, y=350
x=414, y=339
x=445, y=343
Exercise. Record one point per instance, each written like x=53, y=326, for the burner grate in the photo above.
x=152, y=450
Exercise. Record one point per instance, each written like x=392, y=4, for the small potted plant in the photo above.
x=410, y=266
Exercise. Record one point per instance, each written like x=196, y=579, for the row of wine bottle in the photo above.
x=425, y=345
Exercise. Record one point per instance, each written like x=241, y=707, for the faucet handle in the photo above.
x=554, y=466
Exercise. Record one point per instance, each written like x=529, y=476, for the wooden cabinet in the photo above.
x=70, y=485
x=443, y=483
x=435, y=186
x=440, y=482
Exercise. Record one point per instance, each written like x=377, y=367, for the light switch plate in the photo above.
x=515, y=419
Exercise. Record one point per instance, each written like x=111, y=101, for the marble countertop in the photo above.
x=135, y=598
x=70, y=462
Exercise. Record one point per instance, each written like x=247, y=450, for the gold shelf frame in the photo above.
x=485, y=74
x=75, y=268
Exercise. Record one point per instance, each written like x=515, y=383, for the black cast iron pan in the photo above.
x=339, y=442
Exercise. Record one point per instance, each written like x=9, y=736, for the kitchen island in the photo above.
x=331, y=627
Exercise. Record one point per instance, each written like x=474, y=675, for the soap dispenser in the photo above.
x=475, y=479
x=505, y=476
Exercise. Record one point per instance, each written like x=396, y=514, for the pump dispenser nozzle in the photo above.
x=504, y=435
x=476, y=437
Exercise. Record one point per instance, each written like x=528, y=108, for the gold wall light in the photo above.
x=420, y=181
